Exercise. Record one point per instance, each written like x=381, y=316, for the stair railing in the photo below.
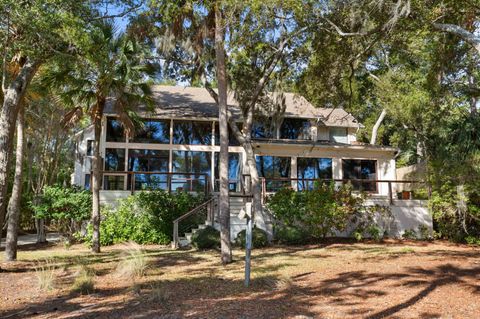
x=207, y=207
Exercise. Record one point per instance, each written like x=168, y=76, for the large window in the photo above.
x=115, y=159
x=114, y=182
x=192, y=132
x=361, y=170
x=338, y=135
x=153, y=131
x=115, y=131
x=232, y=140
x=193, y=169
x=149, y=161
x=234, y=172
x=263, y=130
x=295, y=129
x=273, y=168
x=311, y=169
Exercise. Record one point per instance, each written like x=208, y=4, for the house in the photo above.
x=178, y=145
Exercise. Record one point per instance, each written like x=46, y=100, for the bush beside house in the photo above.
x=324, y=211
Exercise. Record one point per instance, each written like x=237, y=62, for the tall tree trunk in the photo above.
x=375, y=128
x=224, y=201
x=15, y=199
x=96, y=174
x=13, y=95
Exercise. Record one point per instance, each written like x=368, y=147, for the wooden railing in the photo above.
x=205, y=210
x=191, y=182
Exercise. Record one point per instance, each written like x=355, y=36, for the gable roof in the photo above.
x=195, y=102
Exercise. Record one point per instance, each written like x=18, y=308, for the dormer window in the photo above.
x=295, y=129
x=339, y=135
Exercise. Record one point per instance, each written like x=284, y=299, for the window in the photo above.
x=339, y=135
x=192, y=133
x=311, y=169
x=234, y=172
x=273, y=168
x=361, y=170
x=193, y=169
x=90, y=145
x=87, y=182
x=295, y=129
x=153, y=131
x=148, y=161
x=114, y=159
x=115, y=131
x=263, y=130
x=232, y=140
x=114, y=182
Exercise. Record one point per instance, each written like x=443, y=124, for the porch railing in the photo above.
x=371, y=186
x=139, y=181
x=203, y=212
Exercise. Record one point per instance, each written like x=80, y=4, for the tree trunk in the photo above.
x=41, y=235
x=96, y=175
x=375, y=128
x=13, y=95
x=15, y=199
x=224, y=202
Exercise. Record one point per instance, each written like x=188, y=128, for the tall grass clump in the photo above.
x=84, y=282
x=45, y=274
x=133, y=264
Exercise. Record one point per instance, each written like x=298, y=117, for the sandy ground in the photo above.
x=333, y=280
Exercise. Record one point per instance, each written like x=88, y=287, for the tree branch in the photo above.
x=462, y=33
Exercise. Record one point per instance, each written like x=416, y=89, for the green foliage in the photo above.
x=449, y=221
x=323, y=211
x=67, y=207
x=472, y=240
x=144, y=218
x=409, y=234
x=291, y=235
x=259, y=238
x=206, y=238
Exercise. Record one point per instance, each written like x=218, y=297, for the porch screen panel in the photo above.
x=234, y=172
x=192, y=132
x=115, y=130
x=115, y=159
x=192, y=170
x=148, y=161
x=273, y=168
x=311, y=169
x=232, y=140
x=153, y=131
x=361, y=170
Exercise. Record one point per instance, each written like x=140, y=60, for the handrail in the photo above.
x=193, y=211
x=210, y=218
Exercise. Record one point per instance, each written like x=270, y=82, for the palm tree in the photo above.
x=114, y=68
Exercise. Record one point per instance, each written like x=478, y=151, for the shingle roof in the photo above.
x=195, y=102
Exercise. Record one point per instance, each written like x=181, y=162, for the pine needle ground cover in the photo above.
x=400, y=279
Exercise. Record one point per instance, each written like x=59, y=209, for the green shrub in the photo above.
x=206, y=238
x=259, y=238
x=323, y=211
x=145, y=218
x=409, y=234
x=472, y=240
x=290, y=235
x=67, y=207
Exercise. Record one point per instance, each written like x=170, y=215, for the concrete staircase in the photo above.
x=236, y=224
